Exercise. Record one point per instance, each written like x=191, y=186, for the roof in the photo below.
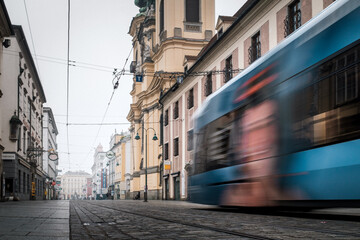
x=6, y=20
x=224, y=19
x=76, y=173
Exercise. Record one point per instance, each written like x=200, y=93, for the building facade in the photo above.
x=112, y=165
x=50, y=147
x=22, y=107
x=5, y=31
x=240, y=40
x=99, y=176
x=88, y=188
x=73, y=185
x=165, y=35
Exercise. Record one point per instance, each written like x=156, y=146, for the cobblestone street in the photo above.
x=129, y=219
x=182, y=220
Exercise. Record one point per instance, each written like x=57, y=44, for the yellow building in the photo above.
x=122, y=150
x=166, y=36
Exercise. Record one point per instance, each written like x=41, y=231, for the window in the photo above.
x=176, y=146
x=24, y=140
x=228, y=69
x=19, y=181
x=28, y=114
x=19, y=140
x=293, y=20
x=346, y=79
x=166, y=151
x=191, y=98
x=161, y=16
x=255, y=49
x=24, y=182
x=176, y=110
x=324, y=110
x=208, y=84
x=25, y=107
x=166, y=120
x=190, y=142
x=192, y=11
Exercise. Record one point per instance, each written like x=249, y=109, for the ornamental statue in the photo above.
x=144, y=5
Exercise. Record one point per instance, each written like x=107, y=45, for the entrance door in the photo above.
x=167, y=189
x=9, y=186
x=177, y=188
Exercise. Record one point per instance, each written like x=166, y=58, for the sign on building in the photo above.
x=167, y=165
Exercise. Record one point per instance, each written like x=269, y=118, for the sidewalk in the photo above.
x=34, y=220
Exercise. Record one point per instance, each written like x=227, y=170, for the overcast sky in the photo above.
x=98, y=43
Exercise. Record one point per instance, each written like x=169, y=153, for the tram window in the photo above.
x=218, y=142
x=326, y=110
x=346, y=86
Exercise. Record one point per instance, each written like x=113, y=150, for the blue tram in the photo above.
x=286, y=130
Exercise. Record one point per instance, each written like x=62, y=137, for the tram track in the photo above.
x=87, y=218
x=238, y=233
x=189, y=224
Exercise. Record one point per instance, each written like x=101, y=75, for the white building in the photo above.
x=99, y=178
x=5, y=31
x=72, y=184
x=50, y=146
x=21, y=109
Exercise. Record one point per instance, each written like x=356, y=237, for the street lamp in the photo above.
x=137, y=137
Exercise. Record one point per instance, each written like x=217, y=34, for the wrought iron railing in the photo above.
x=292, y=22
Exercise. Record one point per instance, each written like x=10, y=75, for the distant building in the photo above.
x=50, y=147
x=113, y=165
x=88, y=188
x=99, y=176
x=21, y=105
x=5, y=31
x=123, y=163
x=72, y=184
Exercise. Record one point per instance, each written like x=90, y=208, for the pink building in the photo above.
x=88, y=187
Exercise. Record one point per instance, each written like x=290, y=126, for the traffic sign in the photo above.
x=110, y=154
x=53, y=157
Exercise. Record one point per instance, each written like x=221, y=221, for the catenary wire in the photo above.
x=32, y=39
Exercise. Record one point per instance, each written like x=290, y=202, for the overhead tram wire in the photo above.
x=126, y=72
x=115, y=86
x=32, y=39
x=68, y=85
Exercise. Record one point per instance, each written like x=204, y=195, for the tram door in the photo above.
x=177, y=188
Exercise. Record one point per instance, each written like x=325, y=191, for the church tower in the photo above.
x=166, y=34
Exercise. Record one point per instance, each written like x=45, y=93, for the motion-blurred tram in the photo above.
x=286, y=130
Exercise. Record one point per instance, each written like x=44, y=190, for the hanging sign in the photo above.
x=139, y=78
x=110, y=154
x=53, y=157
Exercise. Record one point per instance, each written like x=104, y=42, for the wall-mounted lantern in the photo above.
x=15, y=124
x=6, y=43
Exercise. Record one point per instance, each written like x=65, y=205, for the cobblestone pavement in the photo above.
x=181, y=220
x=34, y=220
